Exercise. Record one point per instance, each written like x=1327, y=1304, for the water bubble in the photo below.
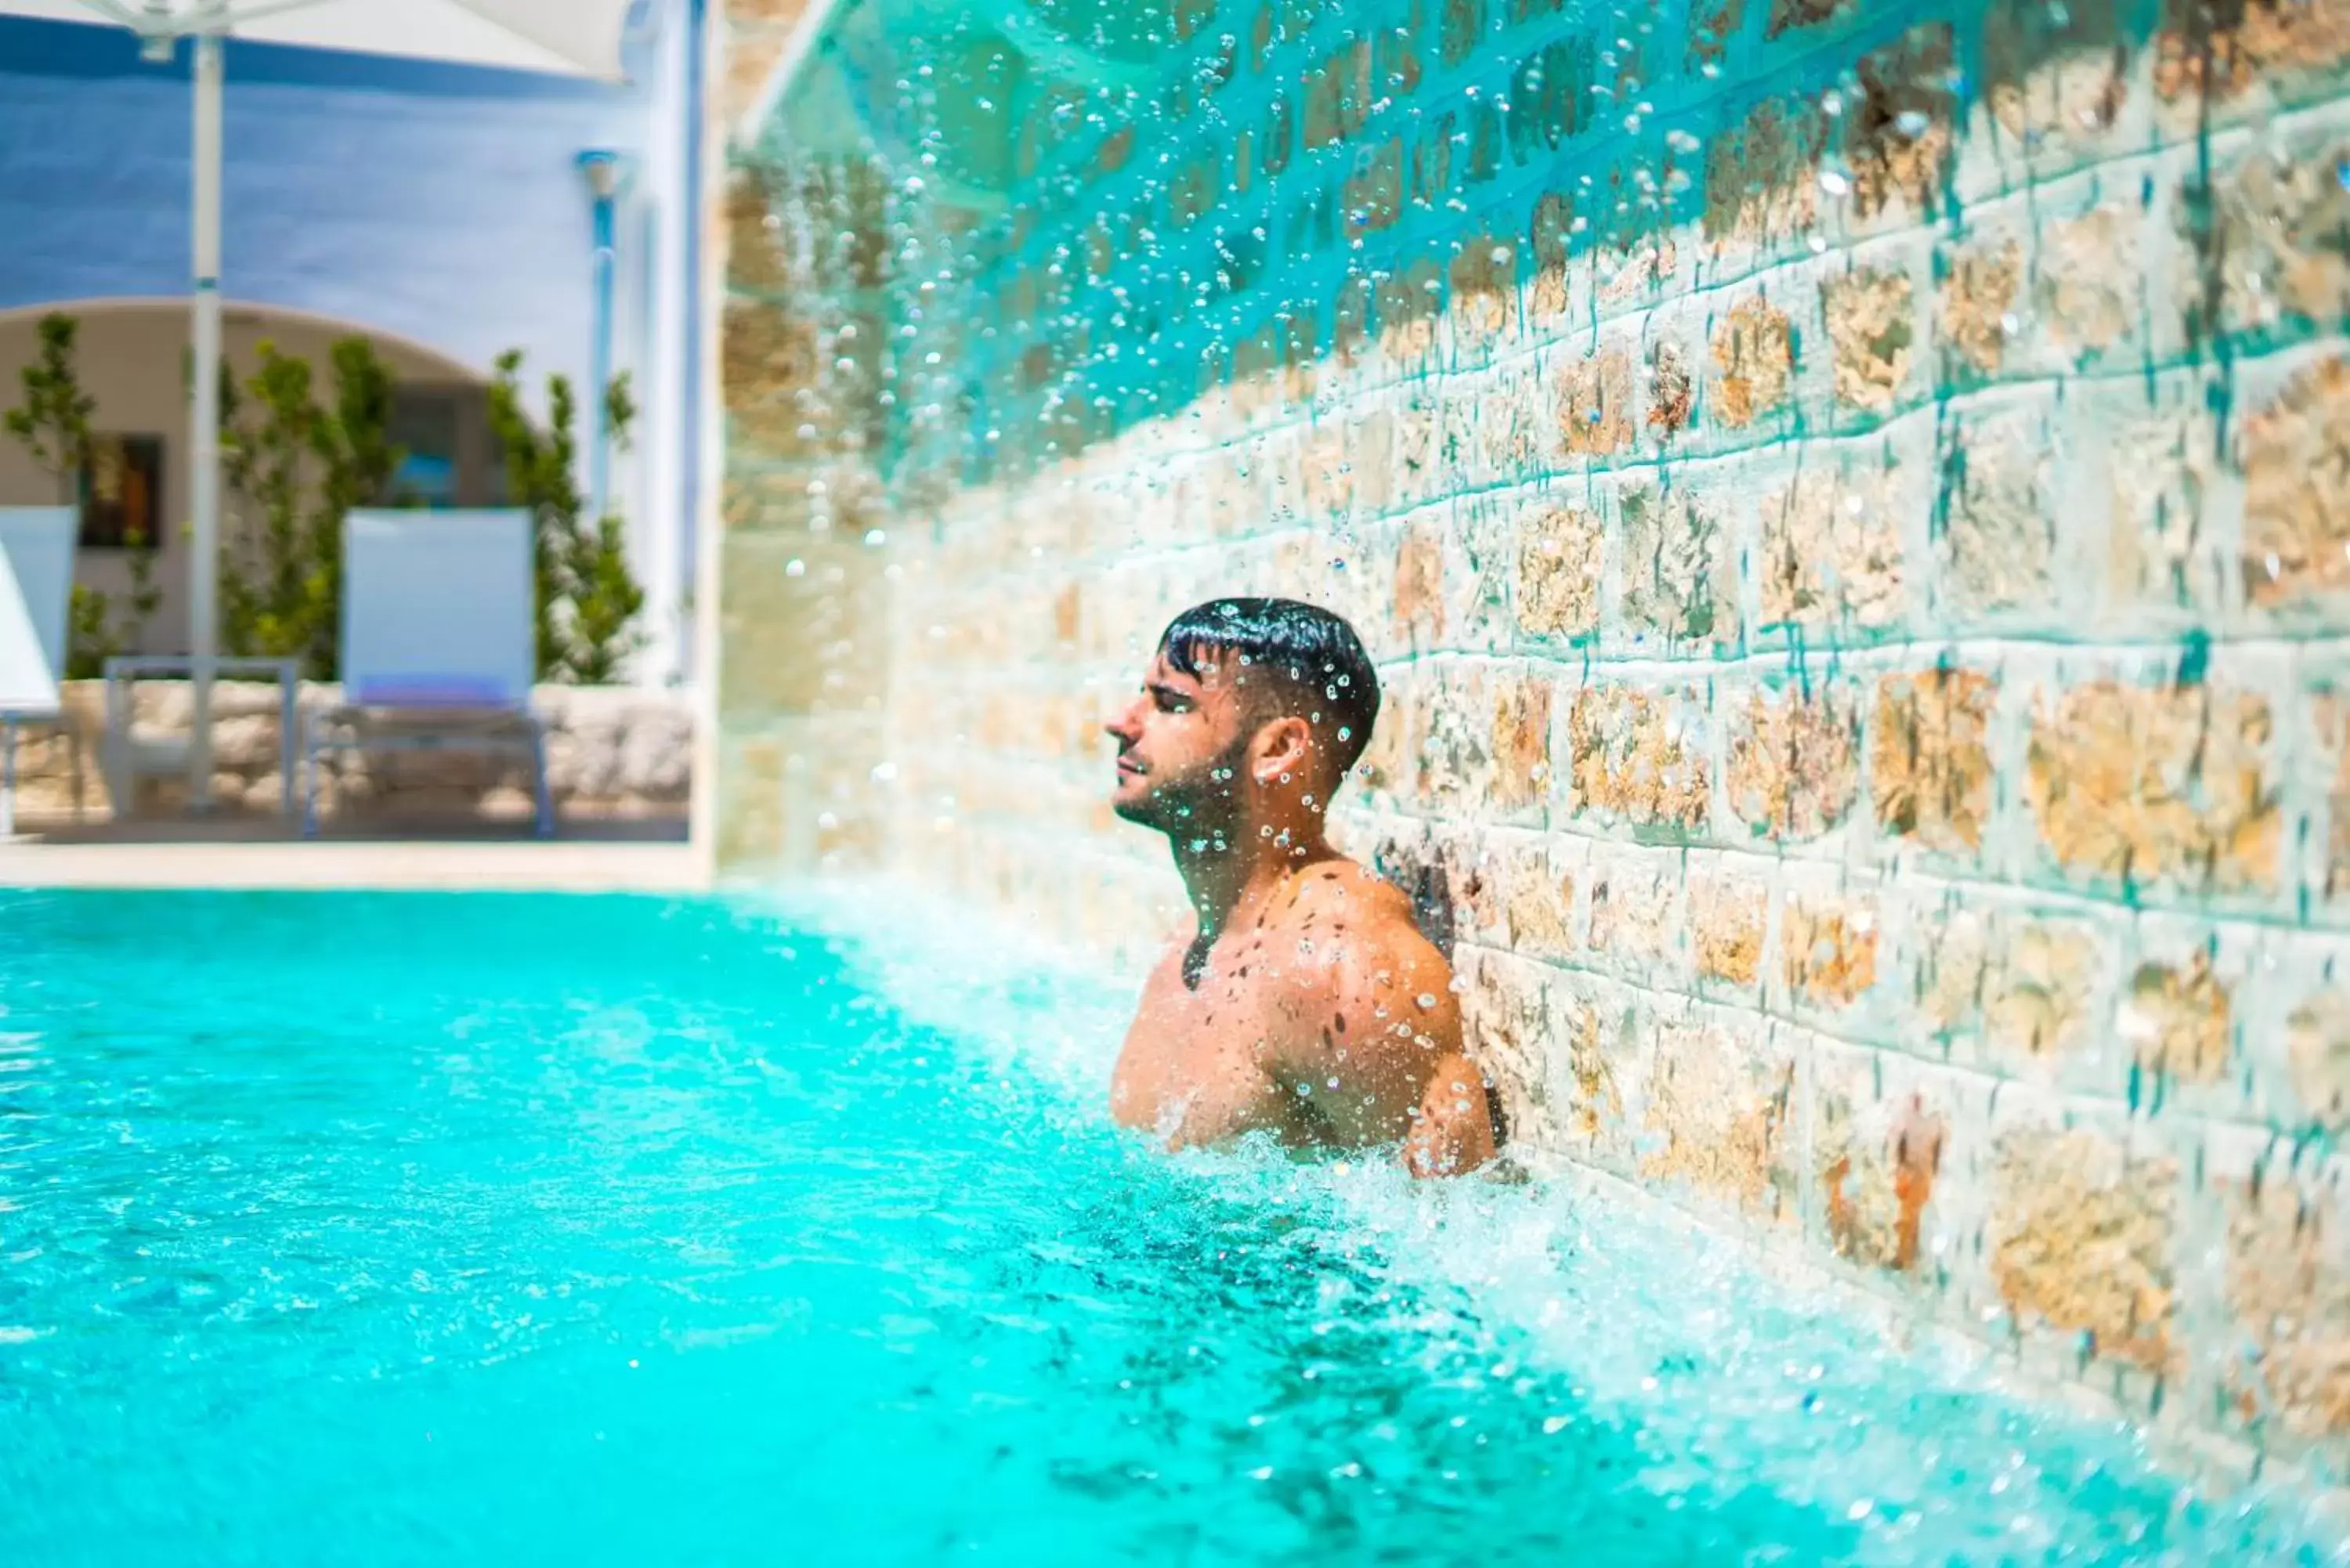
x=1834, y=182
x=795, y=567
x=1910, y=123
x=1426, y=1000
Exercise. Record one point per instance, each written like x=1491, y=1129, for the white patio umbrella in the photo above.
x=568, y=37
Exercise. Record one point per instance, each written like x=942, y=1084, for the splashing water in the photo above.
x=499, y=1230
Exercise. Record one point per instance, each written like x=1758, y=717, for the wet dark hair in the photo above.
x=1316, y=662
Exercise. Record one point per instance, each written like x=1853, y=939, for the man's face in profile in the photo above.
x=1180, y=746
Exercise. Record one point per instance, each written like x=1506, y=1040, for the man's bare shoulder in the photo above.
x=1358, y=918
x=1339, y=895
x=1359, y=949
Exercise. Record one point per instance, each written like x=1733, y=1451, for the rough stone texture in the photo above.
x=1680, y=566
x=2279, y=246
x=1560, y=556
x=2289, y=1289
x=1858, y=583
x=1869, y=331
x=1762, y=181
x=2158, y=548
x=1521, y=743
x=2089, y=282
x=1831, y=552
x=1901, y=139
x=1636, y=922
x=2132, y=784
x=1795, y=762
x=2080, y=1238
x=1754, y=363
x=1638, y=757
x=2317, y=1045
x=2294, y=453
x=1728, y=916
x=2176, y=1018
x=1594, y=404
x=1719, y=1100
x=2330, y=726
x=1827, y=949
x=2223, y=47
x=1930, y=770
x=2056, y=75
x=1979, y=302
x=1541, y=905
x=1999, y=516
x=2040, y=989
x=1672, y=391
x=612, y=753
x=1875, y=1160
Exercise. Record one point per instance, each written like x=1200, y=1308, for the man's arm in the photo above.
x=1386, y=1025
x=1454, y=1132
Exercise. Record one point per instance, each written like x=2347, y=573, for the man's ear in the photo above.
x=1285, y=746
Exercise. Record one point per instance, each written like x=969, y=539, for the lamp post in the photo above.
x=603, y=171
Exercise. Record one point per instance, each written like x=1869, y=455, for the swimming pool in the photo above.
x=399, y=1229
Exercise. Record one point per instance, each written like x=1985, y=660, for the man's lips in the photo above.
x=1130, y=769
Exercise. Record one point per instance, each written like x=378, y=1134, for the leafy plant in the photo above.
x=52, y=424
x=294, y=467
x=587, y=599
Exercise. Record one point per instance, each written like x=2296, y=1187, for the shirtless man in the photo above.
x=1306, y=1004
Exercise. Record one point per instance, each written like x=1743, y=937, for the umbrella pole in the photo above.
x=203, y=445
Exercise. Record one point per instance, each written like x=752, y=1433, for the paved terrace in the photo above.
x=585, y=858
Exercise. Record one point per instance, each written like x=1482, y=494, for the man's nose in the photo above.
x=1123, y=729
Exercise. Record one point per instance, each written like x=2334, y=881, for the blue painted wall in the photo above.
x=437, y=203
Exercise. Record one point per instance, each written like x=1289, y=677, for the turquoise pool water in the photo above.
x=499, y=1231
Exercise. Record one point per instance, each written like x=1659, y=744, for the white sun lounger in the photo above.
x=439, y=644
x=36, y=562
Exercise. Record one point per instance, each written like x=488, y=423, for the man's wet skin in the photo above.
x=1304, y=1004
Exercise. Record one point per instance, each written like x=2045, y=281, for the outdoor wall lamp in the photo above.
x=605, y=172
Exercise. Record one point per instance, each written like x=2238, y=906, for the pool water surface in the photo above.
x=470, y=1229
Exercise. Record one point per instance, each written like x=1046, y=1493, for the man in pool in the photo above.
x=1306, y=1004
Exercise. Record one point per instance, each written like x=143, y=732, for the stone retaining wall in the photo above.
x=612, y=752
x=1851, y=502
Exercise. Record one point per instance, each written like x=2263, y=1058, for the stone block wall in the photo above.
x=1851, y=504
x=613, y=754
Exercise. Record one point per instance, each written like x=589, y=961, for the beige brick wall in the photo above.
x=1867, y=651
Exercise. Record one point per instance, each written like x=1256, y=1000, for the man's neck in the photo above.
x=1227, y=886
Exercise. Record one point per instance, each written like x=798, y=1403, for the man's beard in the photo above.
x=1200, y=805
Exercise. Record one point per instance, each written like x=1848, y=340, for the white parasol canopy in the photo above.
x=568, y=37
